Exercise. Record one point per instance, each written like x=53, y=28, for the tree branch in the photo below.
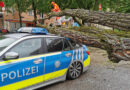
x=115, y=20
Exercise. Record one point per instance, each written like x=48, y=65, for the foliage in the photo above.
x=116, y=32
x=112, y=5
x=124, y=6
x=23, y=4
x=45, y=5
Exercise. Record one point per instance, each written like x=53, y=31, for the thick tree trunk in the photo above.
x=76, y=20
x=115, y=20
x=116, y=47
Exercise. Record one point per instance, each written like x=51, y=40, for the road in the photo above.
x=102, y=75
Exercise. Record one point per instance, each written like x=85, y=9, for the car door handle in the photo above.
x=38, y=61
x=68, y=54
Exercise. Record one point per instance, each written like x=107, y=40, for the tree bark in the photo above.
x=115, y=20
x=19, y=12
x=76, y=20
x=20, y=18
x=35, y=12
x=42, y=18
x=116, y=47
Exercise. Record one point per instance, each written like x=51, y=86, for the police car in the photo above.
x=36, y=58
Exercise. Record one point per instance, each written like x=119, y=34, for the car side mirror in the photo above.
x=11, y=55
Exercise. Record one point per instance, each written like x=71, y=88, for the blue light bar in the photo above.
x=33, y=30
x=39, y=31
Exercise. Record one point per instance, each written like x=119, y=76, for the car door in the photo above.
x=77, y=50
x=53, y=67
x=71, y=52
x=25, y=71
x=67, y=53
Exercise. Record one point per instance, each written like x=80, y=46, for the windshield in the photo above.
x=5, y=42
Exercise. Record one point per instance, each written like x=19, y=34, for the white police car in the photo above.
x=35, y=59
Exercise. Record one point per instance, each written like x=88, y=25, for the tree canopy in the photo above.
x=45, y=5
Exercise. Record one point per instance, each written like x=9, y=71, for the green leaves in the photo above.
x=124, y=6
x=45, y=5
x=21, y=4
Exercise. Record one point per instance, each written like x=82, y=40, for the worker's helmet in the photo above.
x=52, y=2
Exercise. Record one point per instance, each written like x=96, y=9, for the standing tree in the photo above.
x=34, y=7
x=19, y=5
x=43, y=7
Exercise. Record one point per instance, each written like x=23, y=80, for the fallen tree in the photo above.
x=116, y=45
x=118, y=48
x=116, y=20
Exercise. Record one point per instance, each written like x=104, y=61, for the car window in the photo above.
x=28, y=47
x=54, y=44
x=66, y=45
x=73, y=43
x=5, y=42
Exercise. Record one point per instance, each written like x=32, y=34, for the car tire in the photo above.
x=75, y=70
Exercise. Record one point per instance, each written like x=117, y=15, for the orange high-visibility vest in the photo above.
x=56, y=7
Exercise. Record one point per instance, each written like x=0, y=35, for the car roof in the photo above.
x=16, y=35
x=20, y=35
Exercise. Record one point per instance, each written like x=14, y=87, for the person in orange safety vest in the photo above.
x=55, y=7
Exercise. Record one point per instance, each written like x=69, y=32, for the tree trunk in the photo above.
x=35, y=12
x=42, y=21
x=20, y=18
x=116, y=47
x=76, y=20
x=116, y=20
x=19, y=13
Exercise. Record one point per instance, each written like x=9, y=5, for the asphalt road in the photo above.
x=102, y=75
